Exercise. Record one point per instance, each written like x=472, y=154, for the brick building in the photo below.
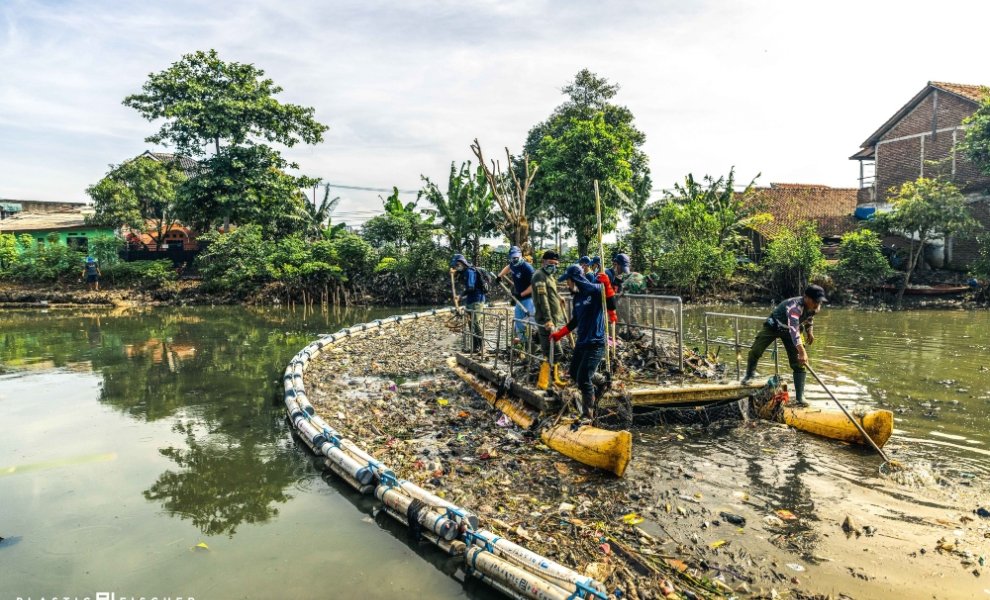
x=920, y=140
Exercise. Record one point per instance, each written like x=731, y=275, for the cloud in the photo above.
x=783, y=88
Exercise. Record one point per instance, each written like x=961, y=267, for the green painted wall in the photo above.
x=73, y=237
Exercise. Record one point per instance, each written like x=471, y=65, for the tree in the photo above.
x=399, y=228
x=245, y=185
x=465, y=213
x=231, y=108
x=588, y=138
x=319, y=216
x=976, y=142
x=510, y=191
x=923, y=210
x=136, y=193
x=861, y=260
x=205, y=100
x=794, y=258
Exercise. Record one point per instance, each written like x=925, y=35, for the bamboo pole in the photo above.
x=601, y=250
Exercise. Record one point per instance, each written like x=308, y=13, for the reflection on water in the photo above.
x=130, y=437
x=931, y=368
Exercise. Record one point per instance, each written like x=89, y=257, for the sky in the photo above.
x=784, y=89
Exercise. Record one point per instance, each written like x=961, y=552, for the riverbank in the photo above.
x=806, y=529
x=192, y=293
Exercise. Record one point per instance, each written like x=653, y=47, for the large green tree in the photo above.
x=465, y=213
x=229, y=109
x=587, y=138
x=137, y=193
x=976, y=143
x=246, y=185
x=923, y=210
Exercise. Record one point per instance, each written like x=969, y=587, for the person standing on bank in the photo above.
x=589, y=349
x=91, y=271
x=472, y=298
x=522, y=289
x=548, y=309
x=786, y=323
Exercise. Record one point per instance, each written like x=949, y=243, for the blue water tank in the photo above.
x=864, y=212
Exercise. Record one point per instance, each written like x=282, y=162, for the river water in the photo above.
x=145, y=452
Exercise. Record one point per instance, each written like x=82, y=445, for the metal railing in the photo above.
x=736, y=343
x=658, y=315
x=498, y=326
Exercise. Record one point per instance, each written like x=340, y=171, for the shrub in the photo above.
x=235, y=261
x=794, y=258
x=861, y=260
x=144, y=273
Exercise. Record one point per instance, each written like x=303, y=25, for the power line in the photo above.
x=367, y=189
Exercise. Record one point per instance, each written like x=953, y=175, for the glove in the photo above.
x=556, y=335
x=603, y=279
x=612, y=317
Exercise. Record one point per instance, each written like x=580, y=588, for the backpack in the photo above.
x=486, y=280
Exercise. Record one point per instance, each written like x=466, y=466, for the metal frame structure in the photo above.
x=735, y=342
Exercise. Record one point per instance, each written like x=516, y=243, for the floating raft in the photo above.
x=508, y=567
x=593, y=446
x=611, y=450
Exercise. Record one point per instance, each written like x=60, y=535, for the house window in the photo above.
x=78, y=242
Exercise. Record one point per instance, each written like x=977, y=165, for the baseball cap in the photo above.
x=572, y=272
x=816, y=293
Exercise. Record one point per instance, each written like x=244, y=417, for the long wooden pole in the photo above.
x=453, y=290
x=601, y=253
x=862, y=431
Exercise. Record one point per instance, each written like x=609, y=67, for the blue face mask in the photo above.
x=550, y=269
x=515, y=260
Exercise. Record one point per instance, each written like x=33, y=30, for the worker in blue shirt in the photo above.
x=522, y=289
x=589, y=348
x=472, y=297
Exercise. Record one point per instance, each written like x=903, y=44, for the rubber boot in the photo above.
x=557, y=380
x=799, y=379
x=750, y=374
x=588, y=405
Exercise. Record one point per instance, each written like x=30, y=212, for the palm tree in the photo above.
x=318, y=216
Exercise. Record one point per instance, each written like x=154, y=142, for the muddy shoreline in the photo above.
x=672, y=523
x=190, y=293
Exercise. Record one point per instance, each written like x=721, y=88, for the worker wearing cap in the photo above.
x=548, y=309
x=473, y=296
x=522, y=289
x=91, y=271
x=786, y=323
x=589, y=349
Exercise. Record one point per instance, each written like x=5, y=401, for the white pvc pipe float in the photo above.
x=529, y=585
x=429, y=518
x=511, y=569
x=533, y=562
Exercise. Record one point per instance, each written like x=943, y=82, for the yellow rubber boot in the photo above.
x=556, y=377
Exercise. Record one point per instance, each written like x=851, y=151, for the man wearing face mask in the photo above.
x=589, y=349
x=547, y=307
x=473, y=296
x=522, y=288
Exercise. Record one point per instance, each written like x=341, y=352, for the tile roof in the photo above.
x=188, y=165
x=831, y=209
x=971, y=93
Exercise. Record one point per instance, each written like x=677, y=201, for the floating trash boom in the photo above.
x=506, y=566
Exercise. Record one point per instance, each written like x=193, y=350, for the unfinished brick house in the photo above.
x=920, y=140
